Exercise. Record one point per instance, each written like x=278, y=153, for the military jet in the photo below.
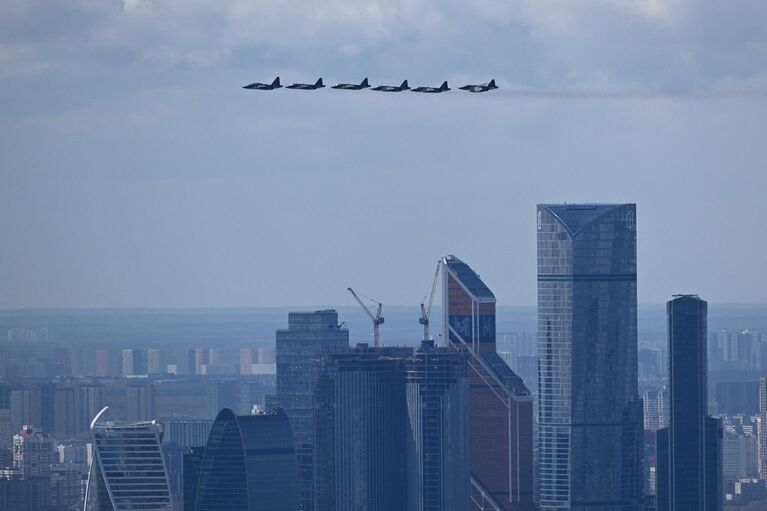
x=307, y=86
x=392, y=88
x=434, y=90
x=482, y=87
x=264, y=86
x=352, y=86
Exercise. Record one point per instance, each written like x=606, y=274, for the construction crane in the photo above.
x=426, y=310
x=377, y=319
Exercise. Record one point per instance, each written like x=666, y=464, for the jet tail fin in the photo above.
x=444, y=85
x=492, y=83
x=319, y=83
x=404, y=85
x=276, y=82
x=365, y=83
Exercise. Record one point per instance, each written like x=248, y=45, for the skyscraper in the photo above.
x=103, y=363
x=249, y=464
x=438, y=472
x=154, y=361
x=589, y=413
x=134, y=362
x=308, y=335
x=500, y=406
x=360, y=430
x=248, y=357
x=689, y=450
x=763, y=428
x=32, y=453
x=128, y=469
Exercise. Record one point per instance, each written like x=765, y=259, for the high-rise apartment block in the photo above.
x=689, y=462
x=140, y=401
x=32, y=453
x=308, y=335
x=589, y=413
x=500, y=431
x=248, y=357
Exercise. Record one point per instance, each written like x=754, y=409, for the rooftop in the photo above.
x=577, y=216
x=468, y=277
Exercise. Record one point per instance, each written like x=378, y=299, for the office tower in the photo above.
x=174, y=467
x=737, y=397
x=656, y=409
x=128, y=470
x=186, y=432
x=32, y=453
x=762, y=428
x=360, y=429
x=103, y=363
x=192, y=463
x=67, y=412
x=139, y=401
x=154, y=361
x=689, y=474
x=201, y=360
x=249, y=464
x=500, y=405
x=438, y=427
x=248, y=357
x=589, y=413
x=223, y=394
x=308, y=335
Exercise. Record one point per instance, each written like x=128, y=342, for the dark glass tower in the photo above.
x=249, y=464
x=500, y=405
x=438, y=422
x=689, y=450
x=308, y=335
x=361, y=421
x=589, y=414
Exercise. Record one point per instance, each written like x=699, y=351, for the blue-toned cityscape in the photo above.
x=598, y=404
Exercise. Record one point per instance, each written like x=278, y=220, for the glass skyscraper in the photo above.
x=438, y=423
x=361, y=424
x=689, y=450
x=249, y=464
x=589, y=413
x=500, y=405
x=308, y=335
x=128, y=470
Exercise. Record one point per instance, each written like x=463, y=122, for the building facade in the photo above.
x=249, y=464
x=589, y=414
x=689, y=470
x=360, y=429
x=128, y=469
x=438, y=474
x=500, y=405
x=308, y=335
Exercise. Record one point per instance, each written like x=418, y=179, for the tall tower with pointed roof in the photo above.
x=589, y=413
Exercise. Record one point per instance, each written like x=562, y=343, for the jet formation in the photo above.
x=481, y=87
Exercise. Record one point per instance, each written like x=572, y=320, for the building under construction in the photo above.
x=500, y=406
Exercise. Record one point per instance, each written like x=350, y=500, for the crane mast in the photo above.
x=426, y=309
x=377, y=320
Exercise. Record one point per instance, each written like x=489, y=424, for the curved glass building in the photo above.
x=249, y=464
x=589, y=413
x=128, y=471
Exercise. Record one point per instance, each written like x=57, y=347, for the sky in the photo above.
x=136, y=172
